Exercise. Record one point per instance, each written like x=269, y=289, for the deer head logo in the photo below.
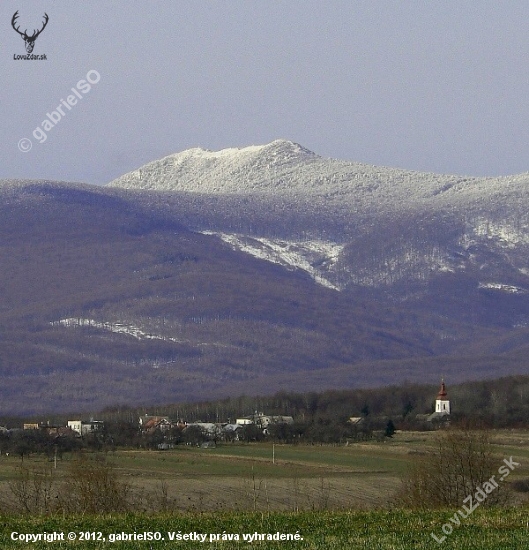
x=29, y=40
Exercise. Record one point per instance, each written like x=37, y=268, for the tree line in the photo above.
x=323, y=417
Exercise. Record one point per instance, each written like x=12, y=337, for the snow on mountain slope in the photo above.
x=317, y=258
x=505, y=234
x=398, y=226
x=127, y=329
x=117, y=328
x=505, y=288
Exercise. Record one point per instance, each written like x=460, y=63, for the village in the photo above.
x=162, y=432
x=148, y=425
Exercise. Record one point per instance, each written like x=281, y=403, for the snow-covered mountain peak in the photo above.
x=285, y=169
x=256, y=168
x=286, y=148
x=279, y=148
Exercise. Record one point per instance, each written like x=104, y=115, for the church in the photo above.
x=442, y=405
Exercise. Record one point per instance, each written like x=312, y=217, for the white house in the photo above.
x=75, y=426
x=262, y=420
x=83, y=427
x=243, y=421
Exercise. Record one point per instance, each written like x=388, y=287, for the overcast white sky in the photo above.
x=435, y=86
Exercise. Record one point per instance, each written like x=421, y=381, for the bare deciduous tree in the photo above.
x=461, y=460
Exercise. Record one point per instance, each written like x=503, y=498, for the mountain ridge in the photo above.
x=280, y=269
x=286, y=167
x=267, y=168
x=104, y=300
x=396, y=230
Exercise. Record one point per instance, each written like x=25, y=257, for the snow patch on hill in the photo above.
x=505, y=288
x=505, y=233
x=128, y=329
x=117, y=328
x=314, y=257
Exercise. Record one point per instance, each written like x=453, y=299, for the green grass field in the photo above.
x=262, y=477
x=484, y=529
x=336, y=497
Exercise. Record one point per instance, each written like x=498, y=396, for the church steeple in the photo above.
x=442, y=403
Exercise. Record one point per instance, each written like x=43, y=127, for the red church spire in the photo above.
x=442, y=395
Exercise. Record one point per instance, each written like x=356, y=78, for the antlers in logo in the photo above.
x=29, y=40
